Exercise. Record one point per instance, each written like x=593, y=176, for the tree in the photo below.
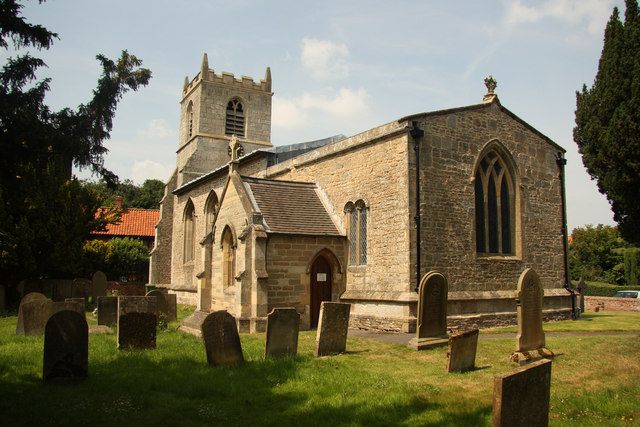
x=608, y=121
x=45, y=213
x=147, y=196
x=594, y=253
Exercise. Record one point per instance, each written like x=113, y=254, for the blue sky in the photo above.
x=337, y=66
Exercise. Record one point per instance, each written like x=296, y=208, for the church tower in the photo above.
x=213, y=108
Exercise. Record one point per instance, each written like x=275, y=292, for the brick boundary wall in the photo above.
x=612, y=304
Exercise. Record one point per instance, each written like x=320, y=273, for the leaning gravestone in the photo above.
x=333, y=327
x=431, y=328
x=221, y=339
x=98, y=285
x=462, y=351
x=530, y=338
x=166, y=304
x=521, y=398
x=66, y=347
x=107, y=311
x=137, y=322
x=283, y=325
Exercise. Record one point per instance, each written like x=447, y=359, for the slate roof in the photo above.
x=134, y=223
x=290, y=207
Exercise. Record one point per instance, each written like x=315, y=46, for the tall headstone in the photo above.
x=333, y=326
x=462, y=351
x=66, y=347
x=107, y=311
x=137, y=322
x=530, y=344
x=582, y=290
x=221, y=339
x=283, y=325
x=521, y=398
x=166, y=304
x=98, y=285
x=431, y=328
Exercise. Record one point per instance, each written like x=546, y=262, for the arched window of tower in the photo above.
x=234, y=123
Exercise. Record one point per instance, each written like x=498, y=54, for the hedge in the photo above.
x=605, y=289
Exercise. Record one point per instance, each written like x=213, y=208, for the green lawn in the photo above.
x=596, y=381
x=589, y=321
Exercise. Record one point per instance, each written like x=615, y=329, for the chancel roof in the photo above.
x=290, y=207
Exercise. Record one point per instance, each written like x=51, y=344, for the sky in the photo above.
x=338, y=67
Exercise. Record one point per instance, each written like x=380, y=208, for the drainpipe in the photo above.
x=417, y=134
x=561, y=162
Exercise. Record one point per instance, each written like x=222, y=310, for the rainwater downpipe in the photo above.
x=562, y=162
x=417, y=134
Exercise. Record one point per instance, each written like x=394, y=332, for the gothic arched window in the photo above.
x=357, y=232
x=210, y=209
x=189, y=232
x=234, y=122
x=228, y=258
x=495, y=206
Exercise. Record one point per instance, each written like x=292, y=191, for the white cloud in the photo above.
x=325, y=59
x=148, y=169
x=295, y=113
x=157, y=129
x=575, y=12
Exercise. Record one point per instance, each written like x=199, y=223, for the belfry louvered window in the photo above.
x=495, y=206
x=357, y=232
x=234, y=123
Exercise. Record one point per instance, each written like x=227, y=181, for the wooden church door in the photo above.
x=320, y=287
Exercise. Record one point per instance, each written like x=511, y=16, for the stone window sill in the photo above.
x=498, y=258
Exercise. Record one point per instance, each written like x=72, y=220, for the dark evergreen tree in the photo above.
x=608, y=121
x=45, y=214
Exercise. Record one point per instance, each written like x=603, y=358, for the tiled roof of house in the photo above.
x=134, y=223
x=291, y=207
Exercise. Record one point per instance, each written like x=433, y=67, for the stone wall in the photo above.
x=611, y=303
x=160, y=257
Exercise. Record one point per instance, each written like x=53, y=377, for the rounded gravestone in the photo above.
x=42, y=303
x=98, y=285
x=221, y=339
x=161, y=302
x=66, y=347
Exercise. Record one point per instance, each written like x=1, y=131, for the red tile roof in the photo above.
x=134, y=222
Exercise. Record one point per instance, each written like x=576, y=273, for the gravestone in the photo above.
x=127, y=304
x=33, y=314
x=166, y=304
x=521, y=397
x=431, y=328
x=462, y=351
x=530, y=343
x=283, y=325
x=582, y=290
x=137, y=330
x=107, y=311
x=66, y=347
x=30, y=297
x=333, y=326
x=3, y=298
x=221, y=339
x=98, y=285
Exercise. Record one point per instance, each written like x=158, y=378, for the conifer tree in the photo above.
x=608, y=121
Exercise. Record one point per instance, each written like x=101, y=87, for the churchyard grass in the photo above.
x=595, y=381
x=590, y=321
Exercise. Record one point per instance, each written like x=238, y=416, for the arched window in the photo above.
x=357, y=232
x=189, y=232
x=228, y=258
x=495, y=206
x=190, y=119
x=210, y=209
x=234, y=123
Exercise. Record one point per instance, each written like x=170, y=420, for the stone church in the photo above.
x=473, y=192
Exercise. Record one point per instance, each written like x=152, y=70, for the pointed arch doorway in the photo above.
x=321, y=283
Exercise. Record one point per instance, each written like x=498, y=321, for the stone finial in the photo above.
x=186, y=83
x=233, y=148
x=267, y=78
x=204, y=68
x=491, y=83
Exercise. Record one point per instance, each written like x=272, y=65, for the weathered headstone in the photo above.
x=521, y=398
x=333, y=326
x=530, y=343
x=98, y=285
x=137, y=322
x=107, y=311
x=166, y=304
x=33, y=315
x=30, y=297
x=582, y=290
x=283, y=325
x=66, y=346
x=431, y=328
x=221, y=339
x=462, y=351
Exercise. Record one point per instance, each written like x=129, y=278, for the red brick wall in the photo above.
x=612, y=304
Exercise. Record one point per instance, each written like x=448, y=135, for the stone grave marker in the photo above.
x=34, y=314
x=431, y=328
x=462, y=351
x=98, y=285
x=530, y=343
x=166, y=304
x=30, y=297
x=137, y=322
x=283, y=325
x=582, y=290
x=333, y=326
x=107, y=311
x=221, y=339
x=521, y=397
x=66, y=347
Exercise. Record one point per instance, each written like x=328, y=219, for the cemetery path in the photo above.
x=403, y=339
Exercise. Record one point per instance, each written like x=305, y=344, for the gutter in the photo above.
x=417, y=134
x=562, y=162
